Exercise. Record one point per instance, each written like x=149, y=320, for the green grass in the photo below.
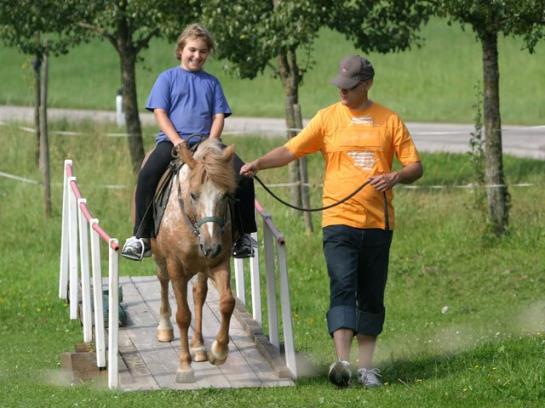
x=432, y=83
x=487, y=350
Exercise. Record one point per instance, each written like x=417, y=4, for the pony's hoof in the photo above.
x=199, y=354
x=185, y=376
x=217, y=358
x=165, y=335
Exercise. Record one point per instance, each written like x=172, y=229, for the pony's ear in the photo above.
x=228, y=152
x=185, y=154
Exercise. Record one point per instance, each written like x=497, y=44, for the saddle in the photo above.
x=162, y=193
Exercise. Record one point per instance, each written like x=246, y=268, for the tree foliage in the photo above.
x=252, y=33
x=525, y=18
x=382, y=26
x=55, y=21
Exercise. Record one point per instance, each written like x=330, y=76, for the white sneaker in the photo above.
x=369, y=377
x=136, y=248
x=340, y=373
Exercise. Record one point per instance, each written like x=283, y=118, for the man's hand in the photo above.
x=249, y=169
x=385, y=182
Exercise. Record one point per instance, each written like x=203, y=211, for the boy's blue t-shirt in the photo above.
x=191, y=100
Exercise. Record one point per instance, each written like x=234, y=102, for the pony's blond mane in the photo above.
x=212, y=164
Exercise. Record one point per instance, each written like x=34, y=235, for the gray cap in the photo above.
x=352, y=71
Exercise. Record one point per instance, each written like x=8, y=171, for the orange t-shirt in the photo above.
x=356, y=144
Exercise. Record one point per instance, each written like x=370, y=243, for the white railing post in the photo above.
x=63, y=270
x=100, y=341
x=289, y=347
x=271, y=287
x=113, y=318
x=239, y=280
x=255, y=284
x=73, y=251
x=86, y=313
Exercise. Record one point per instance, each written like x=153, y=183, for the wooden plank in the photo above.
x=255, y=361
x=153, y=365
x=137, y=375
x=206, y=375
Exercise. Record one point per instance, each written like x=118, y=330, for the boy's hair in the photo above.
x=193, y=31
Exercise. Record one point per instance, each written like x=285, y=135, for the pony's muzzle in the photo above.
x=211, y=251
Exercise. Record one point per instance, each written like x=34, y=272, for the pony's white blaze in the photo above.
x=210, y=195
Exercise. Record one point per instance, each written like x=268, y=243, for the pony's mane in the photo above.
x=213, y=165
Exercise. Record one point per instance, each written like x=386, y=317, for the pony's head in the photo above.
x=207, y=193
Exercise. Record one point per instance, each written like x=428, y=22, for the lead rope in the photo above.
x=386, y=217
x=312, y=209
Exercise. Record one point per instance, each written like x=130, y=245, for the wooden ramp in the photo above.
x=148, y=364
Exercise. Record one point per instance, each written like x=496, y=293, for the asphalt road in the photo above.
x=522, y=141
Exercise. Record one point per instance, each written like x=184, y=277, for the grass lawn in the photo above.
x=487, y=349
x=432, y=83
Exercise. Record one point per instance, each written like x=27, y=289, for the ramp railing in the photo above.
x=275, y=261
x=81, y=229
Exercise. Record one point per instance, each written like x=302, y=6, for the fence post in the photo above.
x=113, y=318
x=289, y=347
x=63, y=272
x=271, y=287
x=84, y=267
x=255, y=284
x=239, y=280
x=73, y=251
x=100, y=342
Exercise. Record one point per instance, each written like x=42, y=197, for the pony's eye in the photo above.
x=194, y=196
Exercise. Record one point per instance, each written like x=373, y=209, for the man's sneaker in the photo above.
x=369, y=377
x=244, y=246
x=340, y=373
x=136, y=248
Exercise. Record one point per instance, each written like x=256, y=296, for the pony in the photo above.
x=195, y=238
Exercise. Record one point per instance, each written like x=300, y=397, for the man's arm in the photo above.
x=275, y=158
x=408, y=174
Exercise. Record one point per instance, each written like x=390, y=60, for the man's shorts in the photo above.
x=357, y=264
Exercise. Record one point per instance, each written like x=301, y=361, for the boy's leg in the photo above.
x=148, y=179
x=244, y=212
x=138, y=246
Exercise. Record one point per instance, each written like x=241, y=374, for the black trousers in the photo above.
x=153, y=170
x=357, y=264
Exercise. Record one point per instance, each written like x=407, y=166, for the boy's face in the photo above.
x=194, y=54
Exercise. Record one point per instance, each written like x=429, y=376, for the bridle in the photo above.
x=196, y=225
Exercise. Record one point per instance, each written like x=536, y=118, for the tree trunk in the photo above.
x=37, y=65
x=498, y=196
x=44, y=140
x=130, y=104
x=291, y=77
x=303, y=175
x=127, y=58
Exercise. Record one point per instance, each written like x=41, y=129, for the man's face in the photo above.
x=355, y=97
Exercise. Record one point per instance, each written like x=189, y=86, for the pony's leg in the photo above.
x=200, y=289
x=185, y=373
x=164, y=330
x=219, y=350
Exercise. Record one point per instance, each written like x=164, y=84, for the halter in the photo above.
x=197, y=224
